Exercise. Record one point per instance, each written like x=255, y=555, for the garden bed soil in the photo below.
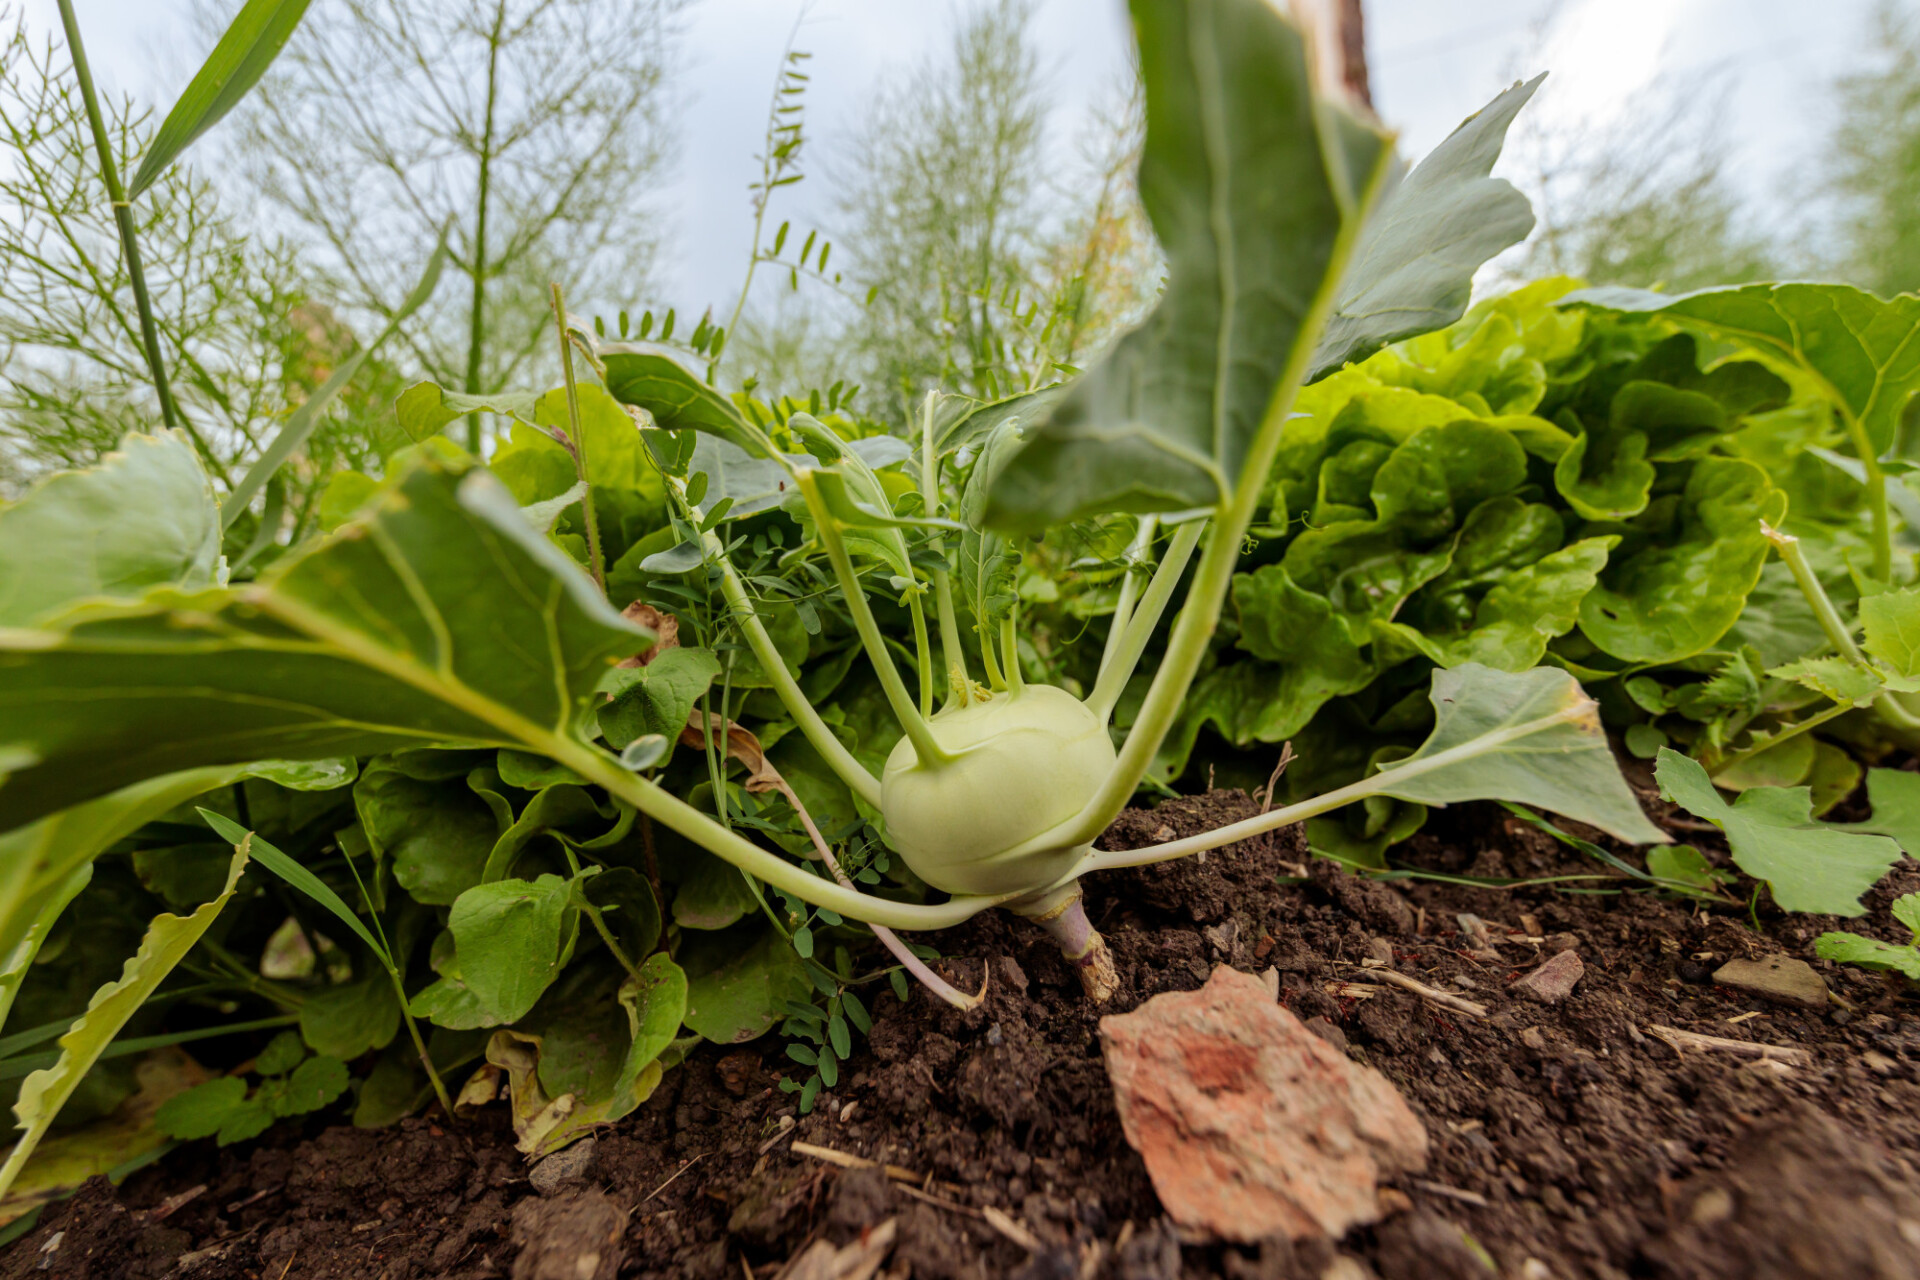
x=1567, y=1141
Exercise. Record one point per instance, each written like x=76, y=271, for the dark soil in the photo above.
x=1567, y=1141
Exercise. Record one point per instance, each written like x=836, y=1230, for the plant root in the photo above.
x=1063, y=915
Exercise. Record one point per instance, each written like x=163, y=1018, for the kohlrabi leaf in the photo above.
x=1682, y=575
x=510, y=937
x=1255, y=191
x=1414, y=268
x=144, y=517
x=438, y=616
x=167, y=941
x=1863, y=350
x=959, y=421
x=1529, y=737
x=655, y=378
x=1810, y=866
x=657, y=697
x=1892, y=624
x=15, y=962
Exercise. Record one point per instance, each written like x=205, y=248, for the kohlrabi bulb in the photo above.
x=1022, y=764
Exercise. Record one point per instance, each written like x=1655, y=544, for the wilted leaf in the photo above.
x=167, y=941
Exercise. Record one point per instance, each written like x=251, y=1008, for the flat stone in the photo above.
x=563, y=1168
x=1553, y=981
x=1251, y=1125
x=1781, y=979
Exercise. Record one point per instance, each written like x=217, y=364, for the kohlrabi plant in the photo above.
x=442, y=614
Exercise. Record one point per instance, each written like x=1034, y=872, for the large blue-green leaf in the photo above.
x=1414, y=268
x=1255, y=191
x=439, y=615
x=1531, y=737
x=145, y=517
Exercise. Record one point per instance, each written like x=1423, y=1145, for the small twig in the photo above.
x=952, y=1206
x=676, y=1173
x=1679, y=1040
x=1464, y=1196
x=1012, y=1230
x=1444, y=999
x=847, y=1160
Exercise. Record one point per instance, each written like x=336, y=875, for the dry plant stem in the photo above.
x=129, y=242
x=1679, y=1041
x=1445, y=999
x=888, y=938
x=595, y=562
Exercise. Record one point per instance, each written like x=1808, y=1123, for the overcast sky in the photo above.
x=1433, y=62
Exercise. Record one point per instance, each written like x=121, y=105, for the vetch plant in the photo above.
x=441, y=614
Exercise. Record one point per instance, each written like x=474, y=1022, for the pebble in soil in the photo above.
x=1564, y=1142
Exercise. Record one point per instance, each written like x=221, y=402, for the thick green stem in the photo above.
x=912, y=723
x=816, y=731
x=1010, y=654
x=1115, y=672
x=996, y=678
x=1194, y=628
x=1839, y=634
x=923, y=653
x=129, y=240
x=1385, y=782
x=601, y=769
x=730, y=846
x=477, y=306
x=596, y=563
x=953, y=658
x=1129, y=589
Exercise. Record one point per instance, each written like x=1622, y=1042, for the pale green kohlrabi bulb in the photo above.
x=1023, y=763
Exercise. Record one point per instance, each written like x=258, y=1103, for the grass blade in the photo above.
x=284, y=866
x=236, y=64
